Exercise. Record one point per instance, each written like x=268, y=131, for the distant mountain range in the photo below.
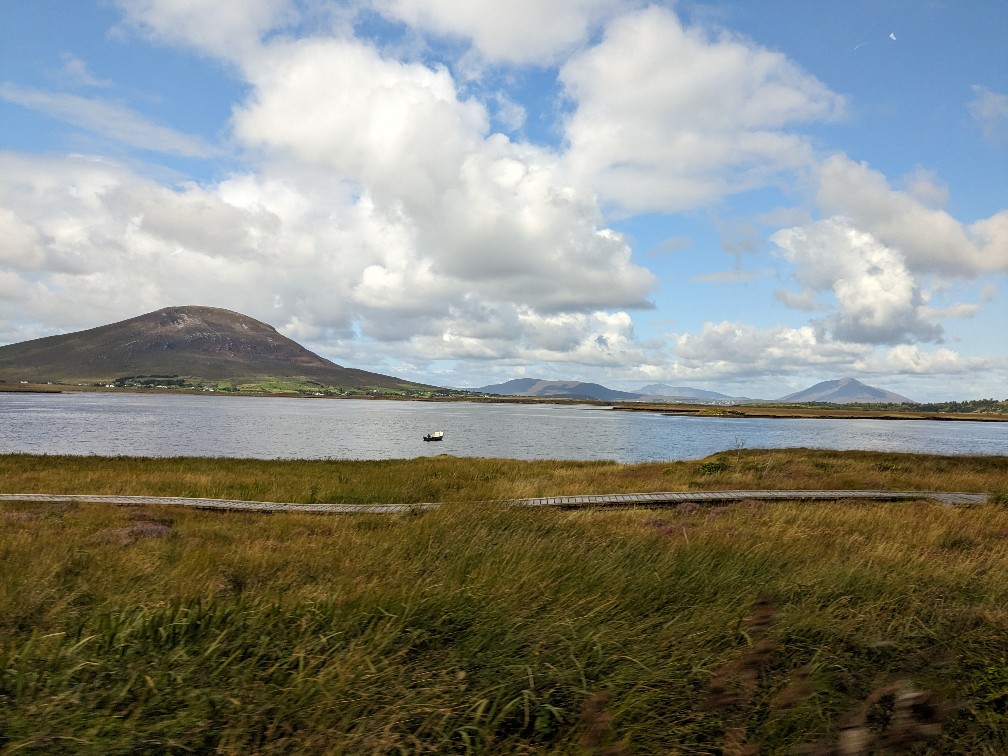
x=194, y=345
x=844, y=391
x=654, y=392
x=663, y=390
x=558, y=390
x=197, y=344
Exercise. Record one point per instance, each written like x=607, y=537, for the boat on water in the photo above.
x=435, y=436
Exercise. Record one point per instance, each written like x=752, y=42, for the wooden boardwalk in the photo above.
x=230, y=505
x=726, y=497
x=606, y=501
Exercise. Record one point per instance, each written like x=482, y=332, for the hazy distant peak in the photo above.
x=684, y=392
x=845, y=391
x=538, y=387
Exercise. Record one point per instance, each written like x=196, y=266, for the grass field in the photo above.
x=751, y=628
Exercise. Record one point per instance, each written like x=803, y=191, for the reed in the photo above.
x=478, y=626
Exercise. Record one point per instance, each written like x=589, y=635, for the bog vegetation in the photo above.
x=778, y=627
x=971, y=406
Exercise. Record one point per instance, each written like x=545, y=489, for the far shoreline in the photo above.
x=796, y=412
x=748, y=411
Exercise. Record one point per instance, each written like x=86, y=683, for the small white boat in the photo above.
x=435, y=436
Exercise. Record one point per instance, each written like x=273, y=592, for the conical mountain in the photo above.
x=845, y=391
x=202, y=344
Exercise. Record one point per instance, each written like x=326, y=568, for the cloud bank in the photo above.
x=366, y=205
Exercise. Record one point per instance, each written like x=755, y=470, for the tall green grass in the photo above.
x=445, y=478
x=480, y=627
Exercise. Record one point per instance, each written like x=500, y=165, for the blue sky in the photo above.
x=737, y=196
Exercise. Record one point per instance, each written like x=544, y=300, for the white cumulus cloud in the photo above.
x=473, y=214
x=929, y=239
x=512, y=31
x=729, y=349
x=908, y=358
x=877, y=299
x=229, y=31
x=667, y=118
x=878, y=256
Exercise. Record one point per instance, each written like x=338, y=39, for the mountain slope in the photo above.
x=203, y=343
x=682, y=392
x=845, y=391
x=557, y=390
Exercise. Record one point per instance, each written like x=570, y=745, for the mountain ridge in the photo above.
x=537, y=387
x=840, y=391
x=686, y=392
x=562, y=389
x=191, y=341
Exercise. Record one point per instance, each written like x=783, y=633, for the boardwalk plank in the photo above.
x=672, y=498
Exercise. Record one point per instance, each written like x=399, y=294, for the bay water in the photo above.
x=165, y=425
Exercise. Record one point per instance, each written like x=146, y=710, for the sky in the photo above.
x=736, y=196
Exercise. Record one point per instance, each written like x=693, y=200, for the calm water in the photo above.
x=164, y=425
